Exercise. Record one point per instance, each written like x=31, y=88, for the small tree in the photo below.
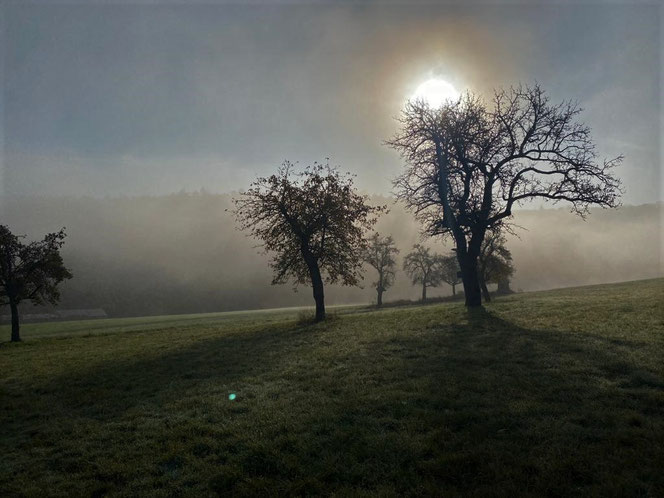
x=313, y=221
x=450, y=271
x=423, y=267
x=470, y=163
x=30, y=272
x=380, y=254
x=504, y=286
x=494, y=262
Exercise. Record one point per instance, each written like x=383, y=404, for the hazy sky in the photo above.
x=129, y=99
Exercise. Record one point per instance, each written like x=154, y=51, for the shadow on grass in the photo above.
x=480, y=406
x=530, y=409
x=105, y=391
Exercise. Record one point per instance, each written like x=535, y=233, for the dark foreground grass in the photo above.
x=558, y=394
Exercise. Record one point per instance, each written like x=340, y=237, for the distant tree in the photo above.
x=30, y=272
x=380, y=254
x=423, y=267
x=494, y=262
x=313, y=221
x=450, y=271
x=469, y=163
x=504, y=286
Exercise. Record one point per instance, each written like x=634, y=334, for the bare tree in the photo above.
x=423, y=267
x=313, y=221
x=469, y=164
x=450, y=271
x=380, y=254
x=494, y=262
x=30, y=272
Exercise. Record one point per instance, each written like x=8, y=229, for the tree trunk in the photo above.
x=471, y=286
x=379, y=300
x=316, y=284
x=485, y=290
x=424, y=292
x=16, y=337
x=454, y=289
x=319, y=296
x=466, y=253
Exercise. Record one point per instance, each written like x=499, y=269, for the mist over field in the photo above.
x=181, y=253
x=151, y=150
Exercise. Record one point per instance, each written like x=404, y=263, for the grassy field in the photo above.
x=555, y=393
x=143, y=323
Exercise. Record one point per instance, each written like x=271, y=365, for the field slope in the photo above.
x=553, y=393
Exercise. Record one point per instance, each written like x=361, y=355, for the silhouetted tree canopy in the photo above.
x=469, y=163
x=423, y=267
x=494, y=262
x=381, y=254
x=313, y=221
x=30, y=272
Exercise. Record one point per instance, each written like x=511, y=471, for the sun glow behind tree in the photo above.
x=436, y=92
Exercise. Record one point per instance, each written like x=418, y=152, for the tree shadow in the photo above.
x=449, y=407
x=547, y=410
x=105, y=391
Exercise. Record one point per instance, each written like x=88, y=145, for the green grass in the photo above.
x=555, y=393
x=110, y=325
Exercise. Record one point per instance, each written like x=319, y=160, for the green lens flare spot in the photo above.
x=231, y=396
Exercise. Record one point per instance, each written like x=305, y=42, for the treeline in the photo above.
x=181, y=253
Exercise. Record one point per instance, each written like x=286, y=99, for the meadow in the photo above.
x=557, y=393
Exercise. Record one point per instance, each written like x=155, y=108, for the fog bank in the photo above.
x=181, y=253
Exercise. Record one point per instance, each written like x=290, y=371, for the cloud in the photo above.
x=155, y=98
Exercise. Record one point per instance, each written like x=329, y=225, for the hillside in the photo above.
x=549, y=393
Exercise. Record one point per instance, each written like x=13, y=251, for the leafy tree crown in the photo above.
x=31, y=271
x=313, y=214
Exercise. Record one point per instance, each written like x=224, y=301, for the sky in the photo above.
x=111, y=99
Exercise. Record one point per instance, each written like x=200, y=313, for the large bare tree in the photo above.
x=380, y=254
x=313, y=221
x=470, y=163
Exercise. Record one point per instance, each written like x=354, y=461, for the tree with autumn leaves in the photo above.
x=313, y=222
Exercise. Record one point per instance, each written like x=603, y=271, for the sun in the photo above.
x=436, y=92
